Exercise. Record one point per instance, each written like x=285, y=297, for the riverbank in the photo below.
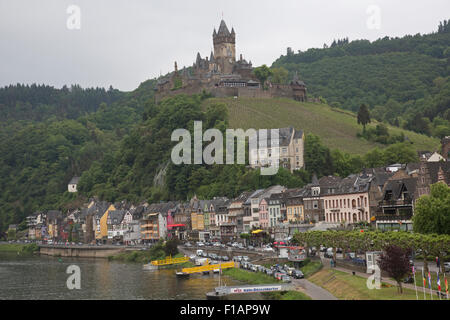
x=145, y=256
x=19, y=248
x=261, y=278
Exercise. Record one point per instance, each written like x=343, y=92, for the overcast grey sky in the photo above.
x=124, y=42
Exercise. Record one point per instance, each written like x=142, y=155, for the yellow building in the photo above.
x=197, y=221
x=101, y=232
x=295, y=210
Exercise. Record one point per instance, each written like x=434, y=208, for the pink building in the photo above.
x=263, y=214
x=350, y=207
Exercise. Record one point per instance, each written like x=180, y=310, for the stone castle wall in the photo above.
x=279, y=91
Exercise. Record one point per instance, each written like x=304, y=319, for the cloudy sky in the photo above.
x=124, y=42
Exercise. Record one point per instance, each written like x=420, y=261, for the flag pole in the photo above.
x=415, y=286
x=446, y=285
x=429, y=284
x=439, y=284
x=424, y=285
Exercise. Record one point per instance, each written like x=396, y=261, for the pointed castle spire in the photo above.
x=223, y=29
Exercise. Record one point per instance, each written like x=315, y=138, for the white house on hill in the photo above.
x=72, y=186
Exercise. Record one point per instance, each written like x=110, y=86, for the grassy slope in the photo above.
x=345, y=286
x=337, y=128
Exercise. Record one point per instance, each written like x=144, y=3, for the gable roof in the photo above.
x=74, y=180
x=116, y=216
x=397, y=186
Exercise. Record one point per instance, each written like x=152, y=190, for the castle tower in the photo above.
x=446, y=148
x=224, y=48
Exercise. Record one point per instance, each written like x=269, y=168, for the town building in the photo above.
x=287, y=151
x=72, y=186
x=294, y=206
x=348, y=201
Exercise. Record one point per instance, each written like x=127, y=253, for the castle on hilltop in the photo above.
x=224, y=76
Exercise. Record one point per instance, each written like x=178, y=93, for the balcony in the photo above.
x=394, y=217
x=396, y=203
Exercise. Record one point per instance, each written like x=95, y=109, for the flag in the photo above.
x=429, y=279
x=446, y=286
x=438, y=282
x=424, y=280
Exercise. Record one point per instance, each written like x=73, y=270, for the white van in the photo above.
x=201, y=261
x=199, y=253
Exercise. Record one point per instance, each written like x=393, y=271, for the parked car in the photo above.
x=245, y=258
x=188, y=244
x=268, y=249
x=269, y=272
x=297, y=274
x=216, y=244
x=447, y=266
x=200, y=244
x=328, y=255
x=359, y=261
x=286, y=279
x=251, y=248
x=225, y=258
x=289, y=270
x=408, y=279
x=254, y=267
x=279, y=275
x=235, y=244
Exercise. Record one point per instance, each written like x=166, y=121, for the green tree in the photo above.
x=363, y=116
x=432, y=212
x=262, y=73
x=279, y=75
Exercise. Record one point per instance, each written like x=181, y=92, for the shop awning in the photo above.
x=257, y=231
x=176, y=225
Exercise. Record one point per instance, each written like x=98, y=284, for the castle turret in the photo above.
x=224, y=48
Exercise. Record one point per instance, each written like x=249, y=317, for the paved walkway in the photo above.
x=312, y=290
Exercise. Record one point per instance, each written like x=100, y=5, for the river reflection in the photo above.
x=44, y=277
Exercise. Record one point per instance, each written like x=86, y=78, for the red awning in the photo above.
x=175, y=225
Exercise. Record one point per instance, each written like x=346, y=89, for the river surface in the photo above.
x=45, y=277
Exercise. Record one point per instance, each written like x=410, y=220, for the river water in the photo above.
x=44, y=277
